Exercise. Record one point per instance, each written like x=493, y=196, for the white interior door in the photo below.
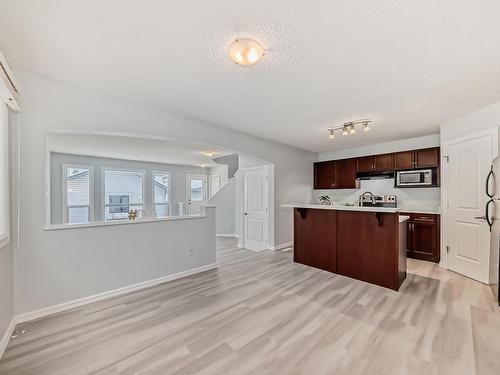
x=213, y=184
x=196, y=193
x=468, y=234
x=255, y=208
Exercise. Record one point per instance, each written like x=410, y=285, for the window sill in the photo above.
x=119, y=222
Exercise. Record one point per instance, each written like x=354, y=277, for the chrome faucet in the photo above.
x=372, y=198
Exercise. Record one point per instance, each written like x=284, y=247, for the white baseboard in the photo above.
x=6, y=336
x=37, y=314
x=282, y=246
x=227, y=235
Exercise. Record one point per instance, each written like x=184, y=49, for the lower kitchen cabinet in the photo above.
x=423, y=236
x=315, y=238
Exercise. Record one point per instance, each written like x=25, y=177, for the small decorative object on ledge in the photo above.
x=132, y=215
x=324, y=199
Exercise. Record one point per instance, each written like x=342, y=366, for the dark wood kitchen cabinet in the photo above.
x=315, y=238
x=345, y=174
x=338, y=174
x=324, y=175
x=427, y=158
x=424, y=158
x=423, y=236
x=376, y=163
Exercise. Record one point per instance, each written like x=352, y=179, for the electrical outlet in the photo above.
x=190, y=252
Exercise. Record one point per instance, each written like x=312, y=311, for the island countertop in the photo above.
x=388, y=210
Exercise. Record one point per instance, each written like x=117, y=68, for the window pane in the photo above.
x=78, y=186
x=120, y=184
x=78, y=215
x=161, y=185
x=161, y=210
x=196, y=190
x=119, y=212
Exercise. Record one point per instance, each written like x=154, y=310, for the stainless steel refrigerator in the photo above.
x=492, y=216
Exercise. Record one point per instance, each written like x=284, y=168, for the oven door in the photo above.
x=414, y=178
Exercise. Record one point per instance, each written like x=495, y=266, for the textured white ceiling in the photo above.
x=408, y=65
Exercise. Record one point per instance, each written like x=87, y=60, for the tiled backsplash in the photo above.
x=408, y=198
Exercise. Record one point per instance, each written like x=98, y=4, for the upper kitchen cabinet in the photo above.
x=324, y=175
x=376, y=163
x=428, y=157
x=404, y=160
x=424, y=158
x=366, y=164
x=338, y=174
x=345, y=174
x=384, y=162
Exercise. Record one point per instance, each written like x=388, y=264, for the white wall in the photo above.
x=49, y=269
x=177, y=180
x=474, y=122
x=7, y=298
x=427, y=199
x=381, y=148
x=224, y=201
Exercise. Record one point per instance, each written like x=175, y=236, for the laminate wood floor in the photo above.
x=259, y=313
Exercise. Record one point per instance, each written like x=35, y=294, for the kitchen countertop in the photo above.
x=342, y=208
x=434, y=211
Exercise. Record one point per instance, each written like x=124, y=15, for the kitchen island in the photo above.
x=364, y=243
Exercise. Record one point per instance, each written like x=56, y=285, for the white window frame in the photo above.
x=103, y=189
x=4, y=174
x=65, y=207
x=169, y=174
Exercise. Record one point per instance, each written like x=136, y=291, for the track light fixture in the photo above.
x=349, y=127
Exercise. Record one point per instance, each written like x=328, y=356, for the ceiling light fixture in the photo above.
x=246, y=51
x=208, y=153
x=349, y=127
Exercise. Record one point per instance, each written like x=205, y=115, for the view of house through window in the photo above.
x=77, y=202
x=161, y=182
x=123, y=191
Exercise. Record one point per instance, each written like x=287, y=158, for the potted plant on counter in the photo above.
x=324, y=199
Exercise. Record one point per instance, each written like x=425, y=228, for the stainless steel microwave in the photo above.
x=421, y=177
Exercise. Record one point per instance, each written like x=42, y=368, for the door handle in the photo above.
x=488, y=183
x=246, y=214
x=480, y=217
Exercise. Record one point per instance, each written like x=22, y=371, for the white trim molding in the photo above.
x=37, y=314
x=7, y=334
x=224, y=235
x=282, y=246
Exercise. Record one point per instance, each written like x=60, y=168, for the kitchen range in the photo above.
x=369, y=239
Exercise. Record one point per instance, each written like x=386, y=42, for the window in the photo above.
x=123, y=191
x=161, y=191
x=4, y=175
x=77, y=198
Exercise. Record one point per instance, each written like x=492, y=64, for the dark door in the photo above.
x=404, y=160
x=384, y=163
x=428, y=157
x=366, y=164
x=324, y=175
x=315, y=238
x=345, y=174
